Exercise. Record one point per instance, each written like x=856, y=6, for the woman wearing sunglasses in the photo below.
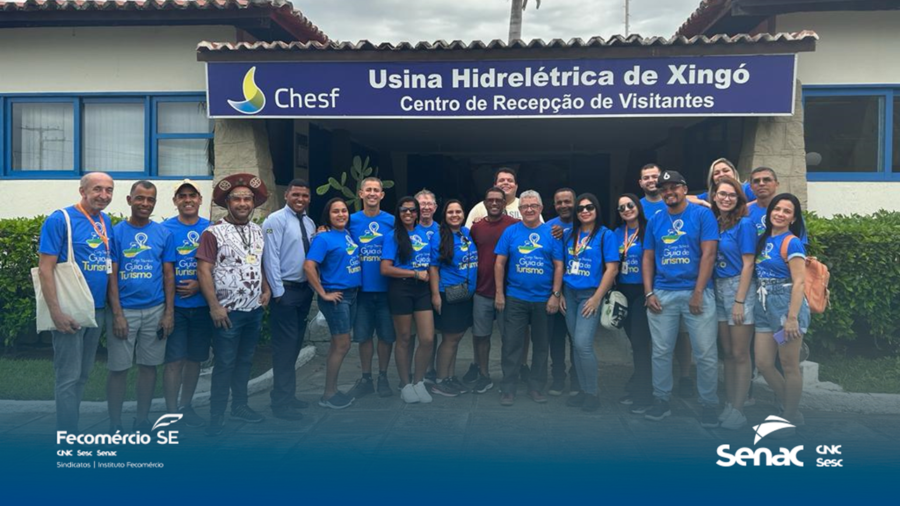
x=591, y=264
x=453, y=279
x=735, y=290
x=406, y=257
x=629, y=237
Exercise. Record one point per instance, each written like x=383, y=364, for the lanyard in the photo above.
x=582, y=244
x=100, y=230
x=629, y=240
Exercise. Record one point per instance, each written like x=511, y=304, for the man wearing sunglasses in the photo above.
x=679, y=255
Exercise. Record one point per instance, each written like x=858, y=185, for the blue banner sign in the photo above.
x=684, y=86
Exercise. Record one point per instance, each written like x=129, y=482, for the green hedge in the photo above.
x=862, y=252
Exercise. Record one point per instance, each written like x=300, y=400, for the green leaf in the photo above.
x=343, y=178
x=347, y=193
x=334, y=183
x=387, y=184
x=322, y=190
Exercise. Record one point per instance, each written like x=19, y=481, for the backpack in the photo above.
x=817, y=276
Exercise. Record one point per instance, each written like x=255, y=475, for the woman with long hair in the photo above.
x=456, y=269
x=719, y=168
x=733, y=276
x=782, y=312
x=333, y=270
x=591, y=262
x=629, y=237
x=406, y=257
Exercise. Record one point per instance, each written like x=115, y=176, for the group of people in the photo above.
x=168, y=291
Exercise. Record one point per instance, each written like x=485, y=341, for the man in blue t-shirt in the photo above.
x=369, y=228
x=427, y=209
x=651, y=201
x=527, y=294
x=679, y=256
x=74, y=344
x=564, y=204
x=142, y=301
x=188, y=344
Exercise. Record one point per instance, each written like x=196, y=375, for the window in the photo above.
x=851, y=133
x=138, y=136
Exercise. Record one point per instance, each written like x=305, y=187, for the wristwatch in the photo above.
x=557, y=294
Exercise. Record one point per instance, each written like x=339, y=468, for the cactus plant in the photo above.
x=359, y=170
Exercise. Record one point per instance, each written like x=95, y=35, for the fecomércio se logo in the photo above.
x=254, y=99
x=163, y=437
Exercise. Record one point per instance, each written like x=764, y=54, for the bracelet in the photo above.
x=739, y=302
x=649, y=295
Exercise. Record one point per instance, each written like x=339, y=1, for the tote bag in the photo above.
x=72, y=291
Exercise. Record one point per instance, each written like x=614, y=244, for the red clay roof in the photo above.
x=703, y=17
x=281, y=11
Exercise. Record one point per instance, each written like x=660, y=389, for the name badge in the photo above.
x=252, y=259
x=109, y=265
x=573, y=267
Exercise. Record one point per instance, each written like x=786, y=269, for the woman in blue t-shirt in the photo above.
x=630, y=225
x=455, y=270
x=782, y=313
x=333, y=270
x=406, y=257
x=591, y=259
x=734, y=281
x=722, y=167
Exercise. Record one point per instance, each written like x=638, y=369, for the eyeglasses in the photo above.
x=726, y=195
x=427, y=204
x=589, y=208
x=623, y=207
x=529, y=207
x=408, y=210
x=762, y=180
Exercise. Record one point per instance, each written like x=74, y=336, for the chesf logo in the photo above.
x=762, y=456
x=254, y=100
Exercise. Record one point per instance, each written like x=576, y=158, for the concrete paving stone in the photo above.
x=13, y=421
x=354, y=421
x=431, y=421
x=687, y=429
x=486, y=422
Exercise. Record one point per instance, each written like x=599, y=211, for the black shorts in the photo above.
x=454, y=318
x=406, y=296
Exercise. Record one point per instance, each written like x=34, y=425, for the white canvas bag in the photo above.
x=72, y=291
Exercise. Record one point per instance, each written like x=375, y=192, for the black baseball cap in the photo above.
x=670, y=177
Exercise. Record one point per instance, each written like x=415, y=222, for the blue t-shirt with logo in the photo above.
x=185, y=241
x=757, y=216
x=464, y=266
x=530, y=252
x=676, y=240
x=338, y=257
x=369, y=234
x=733, y=243
x=140, y=257
x=630, y=269
x=585, y=270
x=423, y=255
x=651, y=208
x=747, y=191
x=431, y=230
x=90, y=252
x=770, y=264
x=566, y=227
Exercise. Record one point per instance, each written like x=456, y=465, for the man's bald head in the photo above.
x=96, y=191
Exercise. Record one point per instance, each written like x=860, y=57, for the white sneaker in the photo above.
x=422, y=392
x=726, y=412
x=408, y=394
x=736, y=420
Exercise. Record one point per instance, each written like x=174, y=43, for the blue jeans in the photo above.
x=582, y=329
x=518, y=315
x=73, y=359
x=703, y=331
x=373, y=315
x=234, y=349
x=191, y=337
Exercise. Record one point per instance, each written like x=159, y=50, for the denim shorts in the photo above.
x=773, y=302
x=192, y=335
x=726, y=294
x=373, y=316
x=340, y=315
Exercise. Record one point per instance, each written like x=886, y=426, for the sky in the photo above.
x=467, y=20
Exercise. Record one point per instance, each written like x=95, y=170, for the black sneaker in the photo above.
x=362, y=388
x=144, y=426
x=626, y=400
x=339, y=400
x=443, y=387
x=430, y=377
x=471, y=376
x=288, y=412
x=216, y=425
x=709, y=417
x=463, y=389
x=576, y=401
x=483, y=384
x=246, y=414
x=557, y=387
x=591, y=403
x=639, y=408
x=686, y=388
x=524, y=373
x=190, y=417
x=658, y=411
x=384, y=388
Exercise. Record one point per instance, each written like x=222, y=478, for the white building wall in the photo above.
x=107, y=59
x=854, y=48
x=29, y=198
